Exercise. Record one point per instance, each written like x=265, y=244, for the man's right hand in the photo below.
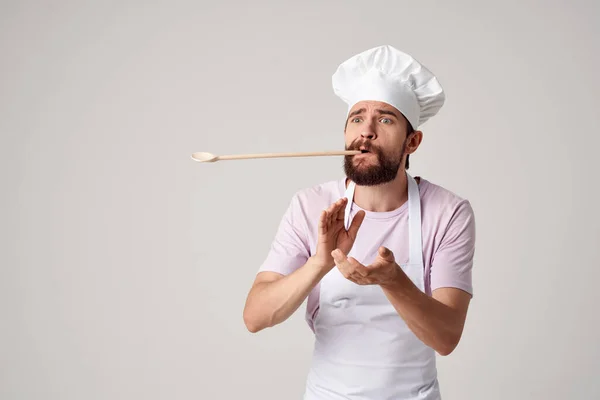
x=275, y=297
x=333, y=234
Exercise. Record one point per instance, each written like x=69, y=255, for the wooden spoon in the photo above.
x=209, y=157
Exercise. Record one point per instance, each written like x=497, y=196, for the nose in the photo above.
x=368, y=132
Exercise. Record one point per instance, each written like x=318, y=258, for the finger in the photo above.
x=352, y=279
x=342, y=263
x=330, y=216
x=339, y=257
x=349, y=266
x=342, y=209
x=359, y=269
x=331, y=208
x=337, y=207
x=386, y=254
x=331, y=211
x=323, y=223
x=356, y=272
x=356, y=223
x=361, y=281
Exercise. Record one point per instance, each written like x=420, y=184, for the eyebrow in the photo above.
x=356, y=112
x=387, y=112
x=383, y=112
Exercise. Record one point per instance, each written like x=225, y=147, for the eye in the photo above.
x=356, y=120
x=386, y=120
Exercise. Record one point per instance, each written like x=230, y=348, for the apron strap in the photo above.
x=350, y=196
x=414, y=222
x=414, y=218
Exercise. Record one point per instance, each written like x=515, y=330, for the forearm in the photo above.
x=271, y=303
x=436, y=324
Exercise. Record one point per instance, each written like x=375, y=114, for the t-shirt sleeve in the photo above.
x=452, y=263
x=289, y=249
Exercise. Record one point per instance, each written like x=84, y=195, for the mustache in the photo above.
x=365, y=144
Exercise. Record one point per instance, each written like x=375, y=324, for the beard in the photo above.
x=384, y=171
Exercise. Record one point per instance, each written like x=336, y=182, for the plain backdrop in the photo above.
x=125, y=265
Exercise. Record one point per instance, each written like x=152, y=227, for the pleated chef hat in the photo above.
x=386, y=74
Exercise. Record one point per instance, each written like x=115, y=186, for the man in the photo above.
x=383, y=258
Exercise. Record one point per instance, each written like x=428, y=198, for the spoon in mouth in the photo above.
x=209, y=157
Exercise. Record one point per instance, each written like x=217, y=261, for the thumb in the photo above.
x=355, y=225
x=386, y=254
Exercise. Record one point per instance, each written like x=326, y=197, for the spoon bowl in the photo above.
x=202, y=156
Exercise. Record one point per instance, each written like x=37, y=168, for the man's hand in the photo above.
x=333, y=234
x=383, y=271
x=437, y=320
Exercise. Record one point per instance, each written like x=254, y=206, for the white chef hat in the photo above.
x=388, y=75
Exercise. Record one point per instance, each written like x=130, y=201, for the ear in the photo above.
x=414, y=141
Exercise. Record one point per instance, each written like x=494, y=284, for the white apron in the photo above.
x=363, y=348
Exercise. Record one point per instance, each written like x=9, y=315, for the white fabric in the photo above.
x=363, y=348
x=386, y=74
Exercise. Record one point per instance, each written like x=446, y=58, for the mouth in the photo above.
x=364, y=155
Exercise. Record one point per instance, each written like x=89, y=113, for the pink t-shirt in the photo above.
x=448, y=230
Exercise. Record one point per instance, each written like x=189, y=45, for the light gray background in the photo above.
x=125, y=265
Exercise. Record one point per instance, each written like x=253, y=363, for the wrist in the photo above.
x=398, y=282
x=320, y=265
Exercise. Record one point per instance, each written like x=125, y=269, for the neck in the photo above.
x=385, y=197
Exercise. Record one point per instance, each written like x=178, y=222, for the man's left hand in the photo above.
x=383, y=271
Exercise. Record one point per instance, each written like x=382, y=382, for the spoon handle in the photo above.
x=301, y=154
